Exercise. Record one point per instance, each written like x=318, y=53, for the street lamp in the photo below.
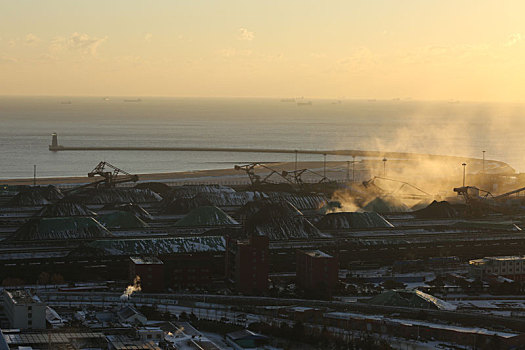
x=464, y=167
x=295, y=160
x=353, y=168
x=384, y=166
x=483, y=162
x=324, y=165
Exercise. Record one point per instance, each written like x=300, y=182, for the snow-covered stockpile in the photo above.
x=116, y=195
x=77, y=227
x=343, y=220
x=301, y=201
x=278, y=222
x=160, y=246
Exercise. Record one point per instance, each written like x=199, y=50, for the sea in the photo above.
x=446, y=127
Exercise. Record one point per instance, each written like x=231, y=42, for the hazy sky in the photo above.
x=422, y=49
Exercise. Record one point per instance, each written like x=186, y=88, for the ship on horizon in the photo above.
x=306, y=103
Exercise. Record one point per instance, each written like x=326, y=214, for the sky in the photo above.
x=426, y=50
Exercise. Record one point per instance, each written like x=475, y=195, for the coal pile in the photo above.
x=183, y=205
x=116, y=195
x=420, y=205
x=27, y=198
x=158, y=187
x=330, y=207
x=437, y=210
x=51, y=192
x=229, y=199
x=60, y=228
x=121, y=220
x=65, y=208
x=308, y=201
x=133, y=208
x=276, y=221
x=385, y=205
x=206, y=216
x=189, y=191
x=342, y=220
x=35, y=195
x=253, y=207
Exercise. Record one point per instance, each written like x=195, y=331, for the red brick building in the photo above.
x=316, y=272
x=247, y=264
x=151, y=273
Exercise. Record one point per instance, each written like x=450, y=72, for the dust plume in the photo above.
x=446, y=135
x=135, y=287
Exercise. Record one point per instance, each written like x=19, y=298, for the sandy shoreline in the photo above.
x=335, y=170
x=205, y=176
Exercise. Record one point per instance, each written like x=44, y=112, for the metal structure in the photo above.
x=507, y=194
x=109, y=178
x=113, y=176
x=404, y=184
x=256, y=179
x=478, y=201
x=296, y=176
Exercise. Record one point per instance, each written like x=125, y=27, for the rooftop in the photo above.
x=46, y=338
x=497, y=258
x=317, y=254
x=22, y=297
x=506, y=258
x=149, y=260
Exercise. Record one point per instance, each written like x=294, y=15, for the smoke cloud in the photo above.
x=135, y=287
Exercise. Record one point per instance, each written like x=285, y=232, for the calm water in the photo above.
x=463, y=129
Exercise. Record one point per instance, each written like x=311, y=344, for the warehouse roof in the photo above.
x=159, y=246
x=206, y=216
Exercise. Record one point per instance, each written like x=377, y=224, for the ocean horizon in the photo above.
x=455, y=128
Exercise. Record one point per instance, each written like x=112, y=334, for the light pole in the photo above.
x=324, y=165
x=34, y=175
x=483, y=162
x=384, y=166
x=295, y=160
x=347, y=170
x=464, y=167
x=353, y=168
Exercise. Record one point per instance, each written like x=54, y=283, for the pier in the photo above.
x=56, y=147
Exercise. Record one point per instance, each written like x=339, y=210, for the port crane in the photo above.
x=479, y=201
x=111, y=176
x=403, y=184
x=256, y=179
x=295, y=176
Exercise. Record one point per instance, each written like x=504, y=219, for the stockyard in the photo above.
x=268, y=254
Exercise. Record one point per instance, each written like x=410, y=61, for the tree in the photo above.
x=43, y=278
x=12, y=281
x=57, y=278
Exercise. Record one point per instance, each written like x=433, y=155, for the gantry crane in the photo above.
x=109, y=178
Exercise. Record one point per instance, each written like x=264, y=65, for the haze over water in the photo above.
x=462, y=129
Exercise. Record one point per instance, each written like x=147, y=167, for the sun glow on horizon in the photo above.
x=341, y=49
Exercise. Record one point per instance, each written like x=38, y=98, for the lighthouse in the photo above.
x=54, y=142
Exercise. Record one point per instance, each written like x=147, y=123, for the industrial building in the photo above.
x=512, y=267
x=151, y=273
x=316, y=272
x=247, y=264
x=24, y=310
